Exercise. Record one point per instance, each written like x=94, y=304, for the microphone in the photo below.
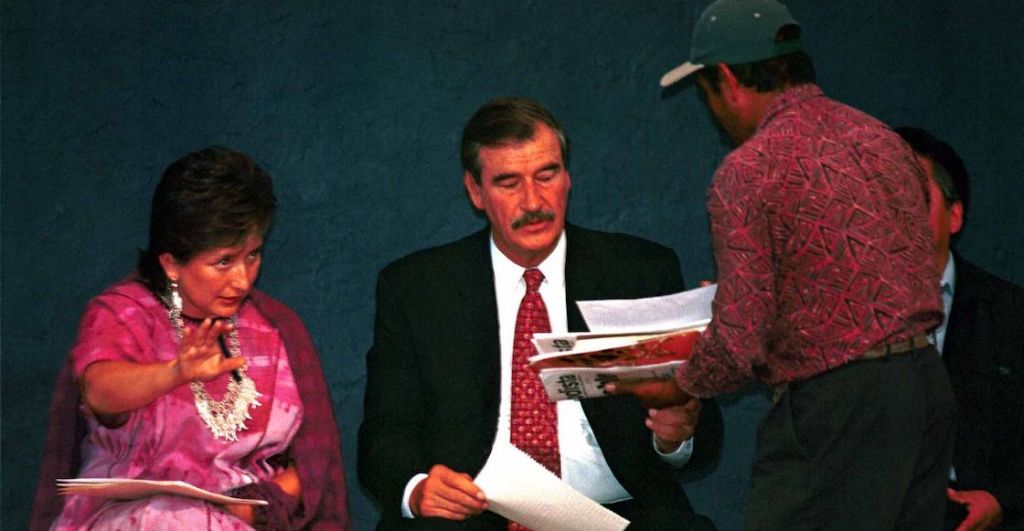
x=227, y=354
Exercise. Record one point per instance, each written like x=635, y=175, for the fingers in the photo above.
x=289, y=482
x=971, y=523
x=671, y=426
x=203, y=337
x=242, y=512
x=448, y=494
x=652, y=393
x=230, y=364
x=983, y=509
x=208, y=332
x=200, y=356
x=691, y=407
x=686, y=414
x=673, y=413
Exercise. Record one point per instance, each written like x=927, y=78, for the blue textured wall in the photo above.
x=356, y=107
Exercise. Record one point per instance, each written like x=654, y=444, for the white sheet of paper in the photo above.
x=520, y=489
x=667, y=312
x=130, y=489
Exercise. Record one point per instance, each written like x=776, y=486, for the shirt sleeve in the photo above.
x=679, y=457
x=744, y=307
x=112, y=330
x=406, y=507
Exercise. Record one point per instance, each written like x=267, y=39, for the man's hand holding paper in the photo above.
x=673, y=425
x=653, y=393
x=448, y=494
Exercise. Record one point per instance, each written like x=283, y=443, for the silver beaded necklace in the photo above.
x=225, y=417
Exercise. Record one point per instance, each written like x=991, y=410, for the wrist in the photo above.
x=414, y=482
x=415, y=498
x=176, y=376
x=666, y=446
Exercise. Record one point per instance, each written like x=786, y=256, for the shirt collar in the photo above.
x=949, y=273
x=508, y=274
x=789, y=97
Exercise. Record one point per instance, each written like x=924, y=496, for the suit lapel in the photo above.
x=968, y=301
x=581, y=282
x=476, y=290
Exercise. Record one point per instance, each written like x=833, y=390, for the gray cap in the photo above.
x=736, y=32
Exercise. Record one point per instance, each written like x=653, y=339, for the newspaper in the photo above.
x=130, y=489
x=629, y=339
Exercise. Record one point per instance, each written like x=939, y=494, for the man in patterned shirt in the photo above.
x=819, y=221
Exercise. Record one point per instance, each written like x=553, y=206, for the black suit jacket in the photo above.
x=433, y=372
x=984, y=354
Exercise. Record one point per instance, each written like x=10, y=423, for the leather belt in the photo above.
x=899, y=347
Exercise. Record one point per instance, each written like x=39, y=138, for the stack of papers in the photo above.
x=130, y=489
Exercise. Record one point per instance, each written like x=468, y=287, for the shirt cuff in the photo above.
x=406, y=509
x=679, y=457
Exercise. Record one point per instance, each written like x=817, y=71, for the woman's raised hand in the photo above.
x=200, y=356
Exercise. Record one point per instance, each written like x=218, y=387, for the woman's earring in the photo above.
x=174, y=296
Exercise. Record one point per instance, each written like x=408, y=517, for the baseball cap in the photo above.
x=736, y=32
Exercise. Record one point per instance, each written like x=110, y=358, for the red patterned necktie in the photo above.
x=534, y=419
x=534, y=428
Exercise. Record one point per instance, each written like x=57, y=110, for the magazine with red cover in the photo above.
x=630, y=339
x=577, y=366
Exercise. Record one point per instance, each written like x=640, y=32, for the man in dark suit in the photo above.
x=982, y=345
x=440, y=395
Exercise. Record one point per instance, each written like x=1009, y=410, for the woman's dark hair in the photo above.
x=211, y=198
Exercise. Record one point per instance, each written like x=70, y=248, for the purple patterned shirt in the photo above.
x=820, y=230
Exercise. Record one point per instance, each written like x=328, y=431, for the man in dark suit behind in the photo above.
x=982, y=345
x=438, y=375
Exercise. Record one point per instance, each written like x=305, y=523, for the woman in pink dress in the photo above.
x=186, y=372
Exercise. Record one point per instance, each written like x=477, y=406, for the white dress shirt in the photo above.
x=582, y=462
x=948, y=285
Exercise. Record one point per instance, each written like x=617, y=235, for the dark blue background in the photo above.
x=356, y=108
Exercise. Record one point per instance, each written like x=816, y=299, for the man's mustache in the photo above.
x=533, y=215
